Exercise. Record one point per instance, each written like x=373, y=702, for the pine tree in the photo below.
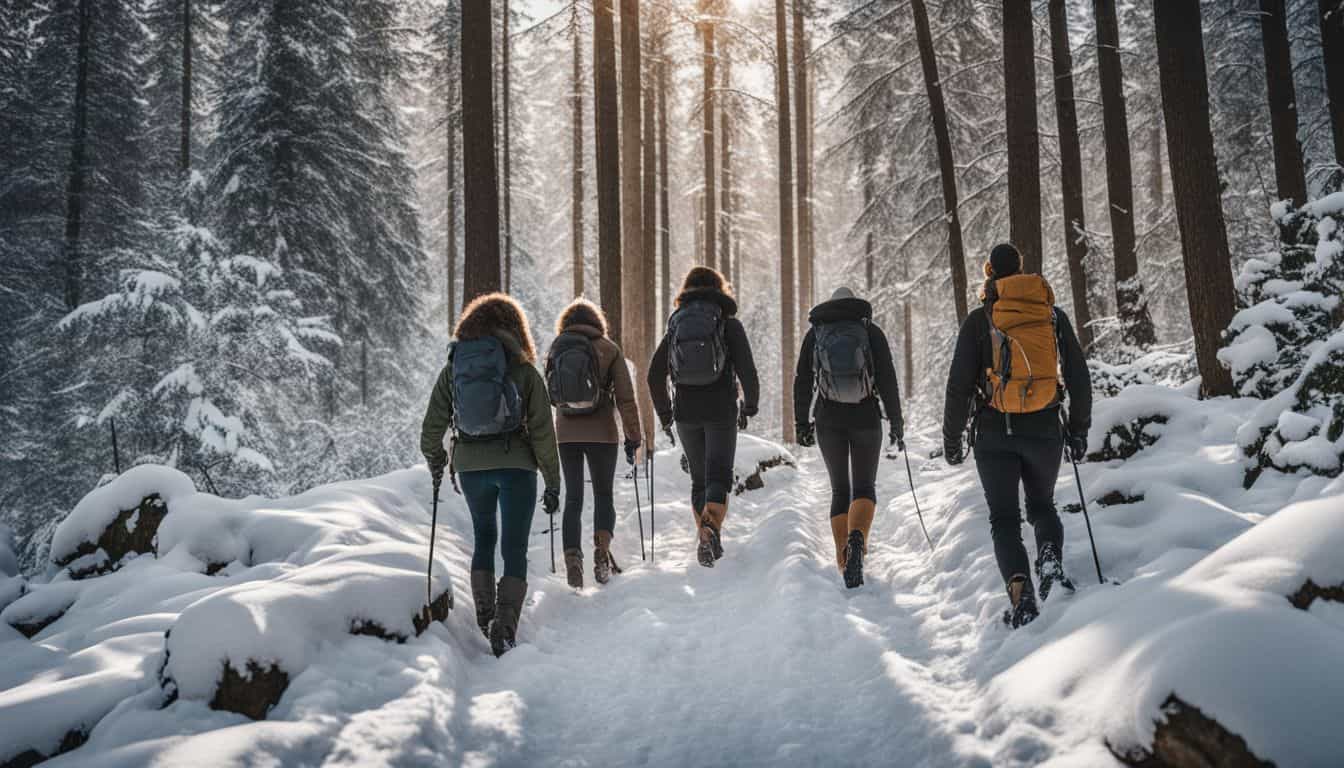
x=788, y=325
x=1024, y=153
x=632, y=216
x=608, y=163
x=480, y=273
x=1071, y=169
x=1289, y=171
x=710, y=196
x=1332, y=49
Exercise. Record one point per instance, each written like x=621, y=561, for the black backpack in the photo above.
x=572, y=376
x=697, y=353
x=842, y=357
x=486, y=402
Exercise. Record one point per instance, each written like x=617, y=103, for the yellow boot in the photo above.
x=860, y=521
x=840, y=532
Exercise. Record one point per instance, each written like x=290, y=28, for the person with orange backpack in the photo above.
x=1016, y=358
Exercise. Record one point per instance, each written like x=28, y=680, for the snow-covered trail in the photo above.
x=764, y=658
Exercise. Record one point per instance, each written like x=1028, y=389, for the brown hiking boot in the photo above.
x=483, y=595
x=713, y=518
x=504, y=627
x=602, y=556
x=1022, y=595
x=840, y=532
x=574, y=567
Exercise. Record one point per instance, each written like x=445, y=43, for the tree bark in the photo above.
x=74, y=195
x=868, y=265
x=1024, y=141
x=946, y=167
x=184, y=159
x=664, y=197
x=803, y=160
x=648, y=287
x=726, y=166
x=632, y=216
x=1130, y=298
x=450, y=225
x=1289, y=172
x=787, y=299
x=1071, y=169
x=1332, y=47
x=1156, y=176
x=608, y=163
x=480, y=272
x=707, y=135
x=1194, y=175
x=506, y=46
x=576, y=158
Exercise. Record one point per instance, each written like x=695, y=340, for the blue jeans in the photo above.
x=514, y=493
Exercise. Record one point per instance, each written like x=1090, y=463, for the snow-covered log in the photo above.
x=119, y=519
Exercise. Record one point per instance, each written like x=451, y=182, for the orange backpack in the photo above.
x=1024, y=373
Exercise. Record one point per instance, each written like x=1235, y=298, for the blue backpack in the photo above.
x=486, y=402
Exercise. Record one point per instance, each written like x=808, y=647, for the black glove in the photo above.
x=897, y=434
x=742, y=417
x=550, y=501
x=630, y=447
x=1077, y=447
x=955, y=453
x=436, y=466
x=807, y=434
x=671, y=435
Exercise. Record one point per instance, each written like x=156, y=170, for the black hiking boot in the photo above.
x=1050, y=572
x=716, y=540
x=705, y=551
x=854, y=560
x=504, y=627
x=1023, y=597
x=483, y=595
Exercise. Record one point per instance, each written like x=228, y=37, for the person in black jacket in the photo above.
x=849, y=432
x=1013, y=448
x=706, y=355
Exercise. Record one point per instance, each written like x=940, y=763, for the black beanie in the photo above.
x=1005, y=260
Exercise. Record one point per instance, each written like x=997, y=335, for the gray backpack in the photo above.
x=842, y=358
x=486, y=402
x=697, y=353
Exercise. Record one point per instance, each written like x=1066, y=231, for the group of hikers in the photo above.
x=1004, y=390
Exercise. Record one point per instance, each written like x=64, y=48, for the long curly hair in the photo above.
x=497, y=311
x=706, y=278
x=582, y=312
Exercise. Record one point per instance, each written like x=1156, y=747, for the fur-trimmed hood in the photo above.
x=841, y=309
x=728, y=303
x=584, y=317
x=498, y=314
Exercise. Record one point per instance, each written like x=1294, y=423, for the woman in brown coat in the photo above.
x=589, y=382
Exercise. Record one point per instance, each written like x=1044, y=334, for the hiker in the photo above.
x=846, y=363
x=706, y=355
x=588, y=381
x=1015, y=418
x=493, y=397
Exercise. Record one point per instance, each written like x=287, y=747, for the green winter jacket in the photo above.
x=533, y=447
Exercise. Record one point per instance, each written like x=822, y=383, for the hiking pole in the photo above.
x=552, y=542
x=1078, y=478
x=634, y=475
x=433, y=527
x=911, y=477
x=653, y=510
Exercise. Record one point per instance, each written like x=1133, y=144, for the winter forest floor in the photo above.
x=765, y=659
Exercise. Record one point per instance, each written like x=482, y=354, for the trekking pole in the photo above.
x=1078, y=478
x=433, y=527
x=552, y=527
x=911, y=477
x=653, y=510
x=634, y=474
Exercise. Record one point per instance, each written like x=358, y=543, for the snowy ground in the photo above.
x=764, y=660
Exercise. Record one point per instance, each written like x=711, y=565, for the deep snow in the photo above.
x=765, y=659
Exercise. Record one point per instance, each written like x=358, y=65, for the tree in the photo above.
x=1194, y=174
x=1332, y=48
x=710, y=198
x=1130, y=299
x=74, y=191
x=1024, y=150
x=1289, y=172
x=726, y=164
x=576, y=154
x=632, y=215
x=947, y=167
x=647, y=297
x=664, y=196
x=506, y=96
x=787, y=301
x=480, y=272
x=608, y=165
x=803, y=163
x=1070, y=168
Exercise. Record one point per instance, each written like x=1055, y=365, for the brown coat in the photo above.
x=600, y=426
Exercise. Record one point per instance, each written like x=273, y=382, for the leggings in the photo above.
x=1003, y=462
x=710, y=449
x=850, y=453
x=514, y=493
x=601, y=458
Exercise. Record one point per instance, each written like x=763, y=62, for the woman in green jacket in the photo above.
x=493, y=397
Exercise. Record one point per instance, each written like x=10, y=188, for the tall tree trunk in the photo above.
x=787, y=300
x=480, y=271
x=506, y=66
x=1130, y=298
x=1194, y=176
x=576, y=159
x=907, y=333
x=1024, y=140
x=184, y=159
x=1289, y=173
x=1070, y=169
x=803, y=160
x=868, y=265
x=707, y=134
x=1156, y=176
x=608, y=164
x=726, y=165
x=450, y=216
x=74, y=195
x=946, y=167
x=664, y=197
x=632, y=216
x=648, y=285
x=1332, y=47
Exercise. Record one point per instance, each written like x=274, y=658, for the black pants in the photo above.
x=1003, y=462
x=710, y=449
x=601, y=458
x=851, y=457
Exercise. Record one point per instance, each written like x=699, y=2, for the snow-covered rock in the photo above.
x=118, y=519
x=1135, y=419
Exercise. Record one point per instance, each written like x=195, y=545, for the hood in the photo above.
x=728, y=303
x=841, y=309
x=584, y=330
x=582, y=312
x=499, y=315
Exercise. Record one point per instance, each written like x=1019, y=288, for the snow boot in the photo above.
x=574, y=567
x=713, y=518
x=840, y=532
x=704, y=551
x=860, y=519
x=602, y=556
x=483, y=595
x=504, y=627
x=1050, y=571
x=1022, y=595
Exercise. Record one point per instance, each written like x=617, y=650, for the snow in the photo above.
x=100, y=507
x=1330, y=205
x=765, y=659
